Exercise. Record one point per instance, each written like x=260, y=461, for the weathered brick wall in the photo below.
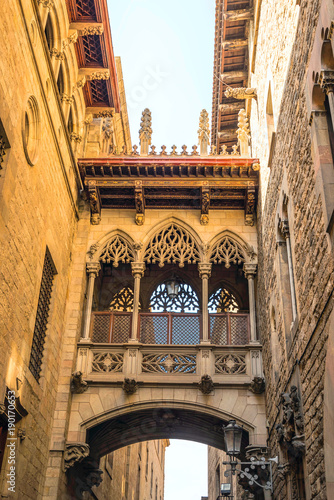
x=292, y=170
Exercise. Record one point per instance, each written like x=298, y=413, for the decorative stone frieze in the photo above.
x=99, y=75
x=92, y=30
x=78, y=385
x=66, y=98
x=74, y=453
x=73, y=38
x=241, y=93
x=46, y=3
x=76, y=137
x=169, y=363
x=57, y=54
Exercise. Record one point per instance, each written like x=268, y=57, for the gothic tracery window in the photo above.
x=185, y=302
x=223, y=301
x=172, y=245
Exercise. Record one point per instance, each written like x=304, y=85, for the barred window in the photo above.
x=42, y=316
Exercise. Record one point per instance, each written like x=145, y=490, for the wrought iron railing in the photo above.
x=170, y=328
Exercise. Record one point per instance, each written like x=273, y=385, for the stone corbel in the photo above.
x=139, y=203
x=205, y=205
x=95, y=203
x=258, y=385
x=66, y=98
x=241, y=93
x=130, y=386
x=74, y=453
x=206, y=384
x=250, y=216
x=78, y=385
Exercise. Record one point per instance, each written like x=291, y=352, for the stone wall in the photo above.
x=37, y=211
x=301, y=349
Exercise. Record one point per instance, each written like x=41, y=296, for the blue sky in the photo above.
x=167, y=58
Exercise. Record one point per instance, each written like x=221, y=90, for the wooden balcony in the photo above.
x=228, y=329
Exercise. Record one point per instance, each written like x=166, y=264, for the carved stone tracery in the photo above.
x=172, y=245
x=227, y=251
x=117, y=250
x=230, y=364
x=169, y=363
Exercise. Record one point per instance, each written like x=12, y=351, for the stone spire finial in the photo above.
x=243, y=133
x=204, y=132
x=145, y=132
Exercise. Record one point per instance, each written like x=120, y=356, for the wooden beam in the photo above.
x=239, y=15
x=235, y=44
x=233, y=107
x=230, y=76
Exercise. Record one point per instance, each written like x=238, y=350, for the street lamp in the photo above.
x=172, y=286
x=232, y=437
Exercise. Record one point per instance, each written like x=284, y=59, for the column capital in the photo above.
x=283, y=226
x=93, y=268
x=204, y=269
x=250, y=270
x=326, y=81
x=138, y=269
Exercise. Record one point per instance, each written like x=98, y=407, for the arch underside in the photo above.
x=164, y=422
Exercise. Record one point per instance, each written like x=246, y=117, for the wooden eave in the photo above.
x=169, y=182
x=97, y=92
x=231, y=59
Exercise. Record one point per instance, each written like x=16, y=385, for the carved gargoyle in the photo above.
x=258, y=385
x=206, y=384
x=78, y=385
x=130, y=386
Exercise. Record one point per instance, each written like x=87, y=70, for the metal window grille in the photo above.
x=186, y=329
x=239, y=330
x=42, y=316
x=111, y=327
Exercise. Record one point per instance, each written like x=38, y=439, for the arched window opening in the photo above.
x=223, y=301
x=49, y=35
x=61, y=81
x=186, y=300
x=70, y=122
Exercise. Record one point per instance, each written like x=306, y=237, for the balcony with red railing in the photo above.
x=170, y=328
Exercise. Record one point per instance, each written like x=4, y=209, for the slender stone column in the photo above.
x=93, y=269
x=250, y=272
x=138, y=269
x=204, y=270
x=284, y=227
